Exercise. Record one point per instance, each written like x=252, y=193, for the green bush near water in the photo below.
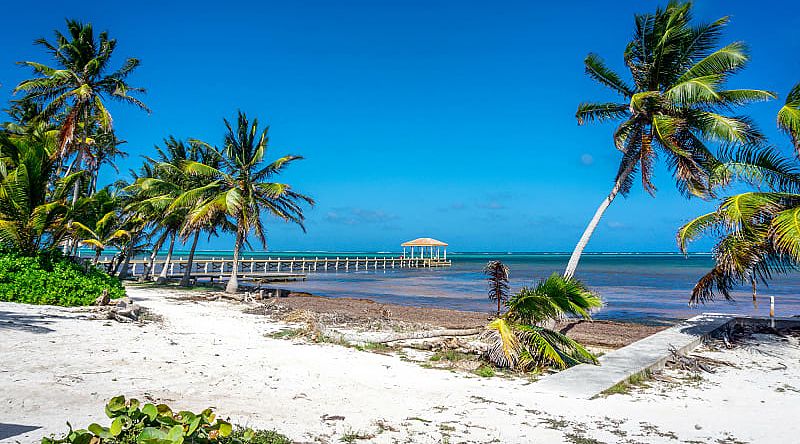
x=50, y=278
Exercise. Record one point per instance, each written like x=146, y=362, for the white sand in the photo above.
x=56, y=366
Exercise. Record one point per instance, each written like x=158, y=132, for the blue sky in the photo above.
x=447, y=119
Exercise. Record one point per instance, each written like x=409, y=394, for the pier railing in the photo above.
x=277, y=268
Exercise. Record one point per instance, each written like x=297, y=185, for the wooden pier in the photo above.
x=277, y=269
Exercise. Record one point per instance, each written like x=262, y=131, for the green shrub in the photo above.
x=50, y=278
x=134, y=423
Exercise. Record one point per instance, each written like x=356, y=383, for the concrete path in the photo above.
x=585, y=381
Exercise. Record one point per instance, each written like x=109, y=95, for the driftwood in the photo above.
x=120, y=310
x=694, y=363
x=385, y=337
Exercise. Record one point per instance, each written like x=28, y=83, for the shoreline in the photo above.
x=605, y=334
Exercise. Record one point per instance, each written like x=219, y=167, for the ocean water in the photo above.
x=639, y=287
x=652, y=288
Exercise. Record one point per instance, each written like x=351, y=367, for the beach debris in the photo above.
x=694, y=363
x=326, y=418
x=120, y=310
x=385, y=337
x=103, y=299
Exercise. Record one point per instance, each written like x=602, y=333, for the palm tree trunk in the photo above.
x=149, y=267
x=572, y=265
x=187, y=274
x=126, y=261
x=233, y=282
x=96, y=256
x=162, y=277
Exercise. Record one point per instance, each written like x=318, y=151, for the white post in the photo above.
x=772, y=311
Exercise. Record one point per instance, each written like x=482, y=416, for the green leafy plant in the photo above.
x=758, y=231
x=49, y=278
x=519, y=339
x=133, y=422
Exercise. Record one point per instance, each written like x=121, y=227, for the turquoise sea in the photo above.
x=640, y=287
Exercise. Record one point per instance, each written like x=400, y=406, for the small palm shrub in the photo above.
x=518, y=339
x=49, y=278
x=497, y=277
x=132, y=422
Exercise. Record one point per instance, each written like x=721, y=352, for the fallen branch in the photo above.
x=384, y=337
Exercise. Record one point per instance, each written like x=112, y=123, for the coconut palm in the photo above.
x=241, y=189
x=759, y=231
x=497, y=278
x=675, y=106
x=519, y=339
x=170, y=181
x=78, y=86
x=104, y=225
x=32, y=201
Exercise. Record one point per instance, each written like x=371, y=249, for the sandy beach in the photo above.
x=58, y=365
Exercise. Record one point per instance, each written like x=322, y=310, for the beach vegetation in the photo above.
x=675, y=105
x=451, y=356
x=758, y=231
x=485, y=371
x=50, y=278
x=59, y=135
x=521, y=338
x=625, y=386
x=134, y=422
x=497, y=277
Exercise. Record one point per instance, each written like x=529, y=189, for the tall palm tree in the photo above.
x=519, y=339
x=79, y=85
x=675, y=106
x=759, y=231
x=241, y=189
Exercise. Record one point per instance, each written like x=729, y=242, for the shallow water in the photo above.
x=634, y=287
x=637, y=287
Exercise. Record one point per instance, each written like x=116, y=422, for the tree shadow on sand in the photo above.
x=24, y=322
x=11, y=430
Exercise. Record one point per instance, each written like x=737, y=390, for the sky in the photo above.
x=445, y=119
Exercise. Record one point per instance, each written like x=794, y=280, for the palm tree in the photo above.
x=169, y=182
x=241, y=189
x=497, y=277
x=676, y=105
x=32, y=201
x=518, y=339
x=78, y=86
x=759, y=231
x=104, y=225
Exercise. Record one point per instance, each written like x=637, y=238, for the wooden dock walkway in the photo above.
x=278, y=269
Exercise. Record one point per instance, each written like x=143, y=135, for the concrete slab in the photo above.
x=585, y=381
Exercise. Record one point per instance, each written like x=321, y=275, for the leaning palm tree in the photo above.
x=759, y=231
x=79, y=85
x=497, y=277
x=520, y=338
x=675, y=106
x=241, y=189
